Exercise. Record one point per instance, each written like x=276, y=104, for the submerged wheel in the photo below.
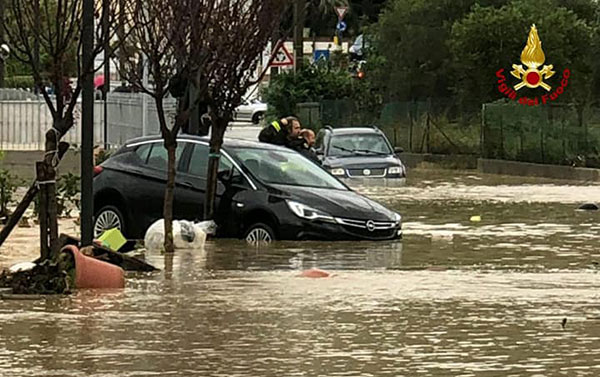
x=108, y=217
x=259, y=233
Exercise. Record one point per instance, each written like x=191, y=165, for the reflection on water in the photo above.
x=452, y=298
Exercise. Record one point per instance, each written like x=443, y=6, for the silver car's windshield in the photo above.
x=285, y=167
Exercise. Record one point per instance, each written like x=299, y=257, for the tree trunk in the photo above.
x=216, y=140
x=171, y=145
x=27, y=199
x=43, y=211
x=48, y=183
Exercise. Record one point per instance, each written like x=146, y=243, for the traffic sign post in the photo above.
x=282, y=58
x=341, y=25
x=341, y=12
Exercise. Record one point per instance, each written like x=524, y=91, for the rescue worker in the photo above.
x=280, y=132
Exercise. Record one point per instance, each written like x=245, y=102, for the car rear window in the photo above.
x=158, y=156
x=199, y=161
x=142, y=152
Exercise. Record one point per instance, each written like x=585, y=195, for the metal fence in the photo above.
x=551, y=134
x=25, y=120
x=416, y=126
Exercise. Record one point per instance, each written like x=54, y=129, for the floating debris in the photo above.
x=589, y=207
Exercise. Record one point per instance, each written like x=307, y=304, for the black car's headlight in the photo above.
x=309, y=213
x=397, y=217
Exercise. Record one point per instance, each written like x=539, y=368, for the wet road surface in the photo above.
x=453, y=298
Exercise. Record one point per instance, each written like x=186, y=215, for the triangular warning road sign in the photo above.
x=282, y=57
x=341, y=12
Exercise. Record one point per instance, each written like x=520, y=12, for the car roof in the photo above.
x=227, y=142
x=355, y=130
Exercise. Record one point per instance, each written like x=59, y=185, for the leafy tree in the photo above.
x=317, y=83
x=410, y=40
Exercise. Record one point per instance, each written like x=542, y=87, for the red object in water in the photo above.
x=93, y=273
x=98, y=81
x=315, y=273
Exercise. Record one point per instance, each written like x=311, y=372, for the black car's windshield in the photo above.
x=358, y=144
x=285, y=167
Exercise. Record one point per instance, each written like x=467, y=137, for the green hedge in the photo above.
x=21, y=82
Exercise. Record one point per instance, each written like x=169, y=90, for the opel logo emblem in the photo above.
x=370, y=225
x=366, y=172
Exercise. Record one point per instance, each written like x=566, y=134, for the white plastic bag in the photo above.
x=186, y=234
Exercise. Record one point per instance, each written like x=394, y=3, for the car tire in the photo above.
x=257, y=118
x=106, y=218
x=259, y=233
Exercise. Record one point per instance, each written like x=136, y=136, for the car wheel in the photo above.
x=108, y=217
x=259, y=233
x=257, y=118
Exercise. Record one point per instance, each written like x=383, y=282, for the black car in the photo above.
x=264, y=193
x=358, y=152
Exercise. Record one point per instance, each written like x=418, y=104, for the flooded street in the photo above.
x=453, y=298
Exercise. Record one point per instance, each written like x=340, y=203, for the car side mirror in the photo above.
x=398, y=150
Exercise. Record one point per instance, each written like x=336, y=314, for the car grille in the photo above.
x=369, y=228
x=361, y=172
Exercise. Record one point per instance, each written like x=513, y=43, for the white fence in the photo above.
x=24, y=121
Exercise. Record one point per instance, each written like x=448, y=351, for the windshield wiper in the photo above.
x=373, y=152
x=360, y=151
x=343, y=149
x=347, y=149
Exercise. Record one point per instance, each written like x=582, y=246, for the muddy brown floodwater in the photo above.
x=453, y=298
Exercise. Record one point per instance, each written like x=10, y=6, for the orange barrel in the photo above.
x=93, y=273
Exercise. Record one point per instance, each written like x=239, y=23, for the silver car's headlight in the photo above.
x=309, y=213
x=395, y=170
x=397, y=217
x=338, y=171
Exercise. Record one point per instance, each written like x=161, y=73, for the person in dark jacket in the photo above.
x=304, y=144
x=280, y=132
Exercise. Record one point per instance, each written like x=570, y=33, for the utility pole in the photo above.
x=299, y=16
x=107, y=53
x=1, y=41
x=87, y=123
x=36, y=39
x=121, y=35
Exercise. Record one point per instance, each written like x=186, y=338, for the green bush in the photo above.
x=8, y=186
x=68, y=191
x=102, y=156
x=21, y=82
x=318, y=83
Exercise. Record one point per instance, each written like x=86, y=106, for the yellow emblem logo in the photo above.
x=532, y=57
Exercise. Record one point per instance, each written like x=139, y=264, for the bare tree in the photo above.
x=169, y=37
x=239, y=32
x=54, y=28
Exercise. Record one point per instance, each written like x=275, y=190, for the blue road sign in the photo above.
x=320, y=54
x=341, y=26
